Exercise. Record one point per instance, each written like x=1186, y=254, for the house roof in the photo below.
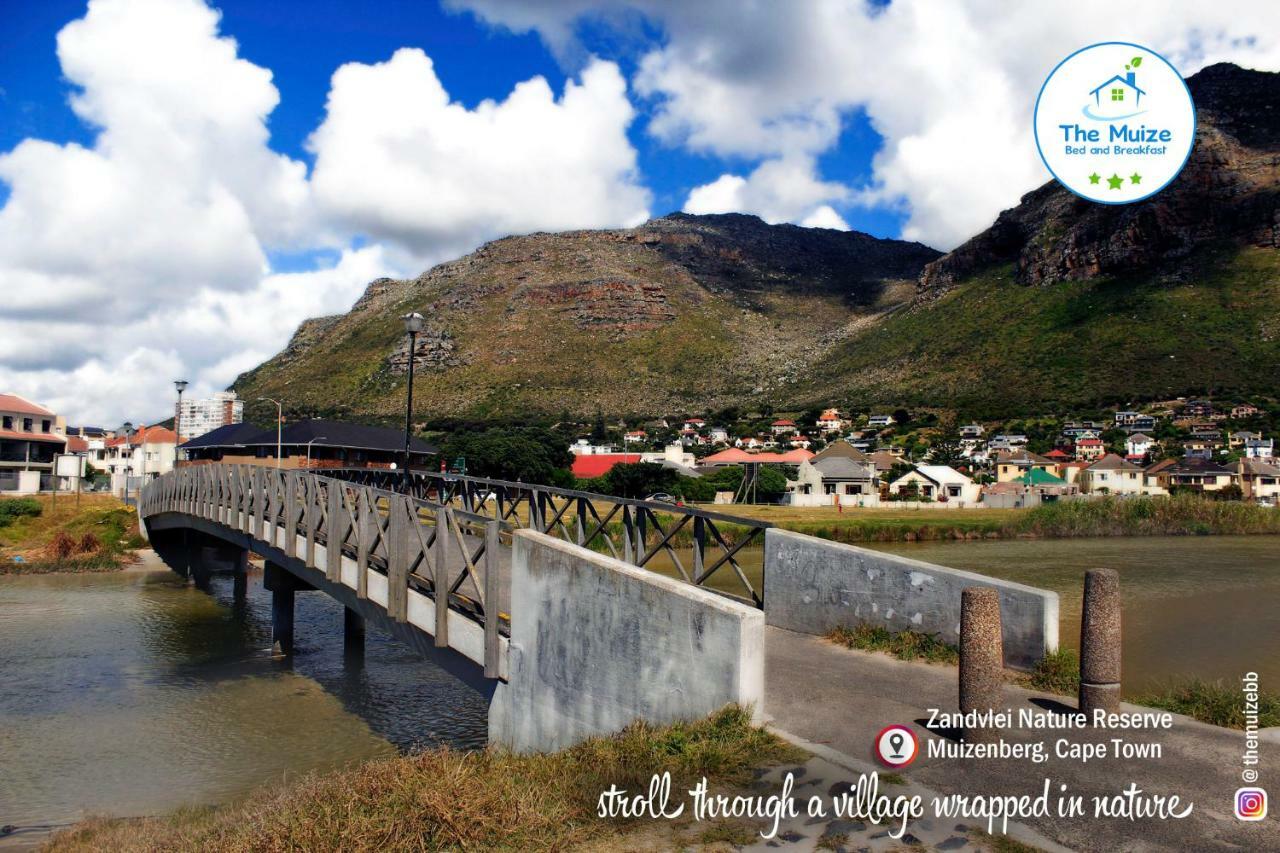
x=843, y=448
x=942, y=473
x=76, y=444
x=588, y=465
x=783, y=422
x=883, y=460
x=1021, y=457
x=1056, y=453
x=1255, y=466
x=1112, y=462
x=1118, y=78
x=229, y=435
x=1039, y=477
x=842, y=468
x=319, y=433
x=11, y=402
x=1089, y=442
x=1140, y=436
x=51, y=437
x=1196, y=465
x=153, y=435
x=736, y=456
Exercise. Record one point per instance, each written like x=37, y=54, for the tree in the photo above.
x=529, y=454
x=901, y=417
x=599, y=433
x=639, y=480
x=946, y=451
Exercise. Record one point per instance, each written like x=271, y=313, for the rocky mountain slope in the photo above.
x=1060, y=304
x=681, y=312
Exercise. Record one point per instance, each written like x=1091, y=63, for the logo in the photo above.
x=1114, y=122
x=1251, y=804
x=896, y=746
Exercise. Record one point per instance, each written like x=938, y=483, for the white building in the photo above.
x=144, y=454
x=1139, y=444
x=1113, y=476
x=198, y=417
x=938, y=482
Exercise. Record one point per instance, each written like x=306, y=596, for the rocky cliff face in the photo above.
x=1229, y=193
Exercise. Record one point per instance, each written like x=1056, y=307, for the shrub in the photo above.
x=61, y=546
x=89, y=543
x=1057, y=672
x=11, y=509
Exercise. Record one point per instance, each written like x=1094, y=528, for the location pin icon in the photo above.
x=895, y=741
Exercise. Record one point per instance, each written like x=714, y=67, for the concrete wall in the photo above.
x=596, y=644
x=812, y=585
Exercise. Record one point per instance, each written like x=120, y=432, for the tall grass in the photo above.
x=448, y=800
x=1176, y=515
x=95, y=534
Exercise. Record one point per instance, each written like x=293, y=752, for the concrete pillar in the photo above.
x=239, y=587
x=981, y=656
x=282, y=585
x=352, y=633
x=1100, y=642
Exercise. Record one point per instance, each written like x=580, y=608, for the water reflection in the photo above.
x=134, y=694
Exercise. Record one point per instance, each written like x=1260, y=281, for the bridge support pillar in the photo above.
x=240, y=587
x=352, y=633
x=283, y=584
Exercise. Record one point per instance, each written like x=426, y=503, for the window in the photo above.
x=8, y=422
x=27, y=425
x=45, y=425
x=1117, y=94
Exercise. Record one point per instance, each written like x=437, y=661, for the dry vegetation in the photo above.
x=96, y=533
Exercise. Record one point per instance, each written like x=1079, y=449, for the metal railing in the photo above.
x=634, y=531
x=410, y=540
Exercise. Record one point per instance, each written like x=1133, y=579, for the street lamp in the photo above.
x=413, y=323
x=279, y=425
x=317, y=438
x=181, y=385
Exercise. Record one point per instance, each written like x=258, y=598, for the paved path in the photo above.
x=842, y=698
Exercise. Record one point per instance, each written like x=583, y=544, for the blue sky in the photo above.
x=183, y=182
x=304, y=41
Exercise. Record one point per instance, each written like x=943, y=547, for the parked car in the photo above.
x=661, y=497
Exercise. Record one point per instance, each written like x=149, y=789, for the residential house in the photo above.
x=1006, y=442
x=140, y=456
x=782, y=426
x=748, y=442
x=736, y=456
x=328, y=444
x=1076, y=429
x=1142, y=423
x=584, y=447
x=1260, y=448
x=1112, y=475
x=1244, y=410
x=1240, y=437
x=1124, y=419
x=1089, y=449
x=1058, y=455
x=834, y=479
x=1011, y=465
x=1201, y=448
x=30, y=437
x=718, y=435
x=1197, y=409
x=635, y=436
x=832, y=420
x=1139, y=445
x=972, y=431
x=1196, y=473
x=799, y=440
x=1070, y=472
x=880, y=421
x=937, y=482
x=1259, y=480
x=1032, y=488
x=883, y=460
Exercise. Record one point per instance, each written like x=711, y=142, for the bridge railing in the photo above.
x=701, y=547
x=410, y=540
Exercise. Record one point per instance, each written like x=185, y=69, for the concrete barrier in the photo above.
x=597, y=643
x=813, y=585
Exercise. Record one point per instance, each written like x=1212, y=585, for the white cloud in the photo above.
x=778, y=190
x=397, y=160
x=144, y=257
x=950, y=86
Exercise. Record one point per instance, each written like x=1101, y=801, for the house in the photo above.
x=1141, y=423
x=831, y=420
x=144, y=454
x=1197, y=409
x=636, y=436
x=1244, y=410
x=693, y=424
x=782, y=426
x=1070, y=471
x=883, y=460
x=1240, y=437
x=1006, y=441
x=30, y=437
x=748, y=443
x=1119, y=94
x=1259, y=480
x=1112, y=475
x=937, y=482
x=880, y=421
x=321, y=444
x=736, y=456
x=1089, y=449
x=1195, y=473
x=1058, y=455
x=1260, y=448
x=588, y=465
x=1139, y=445
x=718, y=435
x=1030, y=489
x=584, y=447
x=1198, y=447
x=1078, y=429
x=799, y=441
x=972, y=431
x=675, y=457
x=834, y=479
x=1123, y=419
x=1011, y=465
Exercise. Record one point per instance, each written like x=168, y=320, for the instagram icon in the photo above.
x=1251, y=804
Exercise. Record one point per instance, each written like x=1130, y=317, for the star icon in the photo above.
x=1115, y=181
x=1135, y=178
x=1094, y=178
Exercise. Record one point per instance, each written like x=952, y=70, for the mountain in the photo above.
x=1060, y=305
x=1064, y=304
x=683, y=312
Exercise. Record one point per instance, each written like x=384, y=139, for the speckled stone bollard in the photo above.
x=1100, y=642
x=981, y=657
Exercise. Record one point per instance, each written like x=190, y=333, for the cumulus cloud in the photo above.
x=145, y=256
x=950, y=87
x=778, y=190
x=398, y=160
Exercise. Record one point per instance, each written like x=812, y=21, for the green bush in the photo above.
x=1057, y=672
x=11, y=509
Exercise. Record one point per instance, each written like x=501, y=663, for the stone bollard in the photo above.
x=1100, y=642
x=981, y=657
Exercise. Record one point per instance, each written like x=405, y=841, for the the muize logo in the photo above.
x=1114, y=122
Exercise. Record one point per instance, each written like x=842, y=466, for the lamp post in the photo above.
x=317, y=438
x=279, y=425
x=413, y=323
x=181, y=385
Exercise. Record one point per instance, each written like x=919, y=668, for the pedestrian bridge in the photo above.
x=574, y=613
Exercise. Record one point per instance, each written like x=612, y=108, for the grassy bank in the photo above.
x=95, y=535
x=442, y=799
x=1179, y=515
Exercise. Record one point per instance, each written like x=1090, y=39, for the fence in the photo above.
x=634, y=531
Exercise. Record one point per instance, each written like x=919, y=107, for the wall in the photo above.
x=597, y=643
x=813, y=585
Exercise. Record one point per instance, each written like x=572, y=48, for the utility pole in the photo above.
x=279, y=425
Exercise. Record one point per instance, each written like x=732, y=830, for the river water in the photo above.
x=131, y=693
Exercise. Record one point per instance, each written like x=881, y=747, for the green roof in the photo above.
x=1040, y=477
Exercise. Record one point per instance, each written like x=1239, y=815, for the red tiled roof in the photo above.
x=587, y=465
x=76, y=444
x=32, y=436
x=783, y=422
x=14, y=403
x=1056, y=453
x=735, y=456
x=153, y=435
